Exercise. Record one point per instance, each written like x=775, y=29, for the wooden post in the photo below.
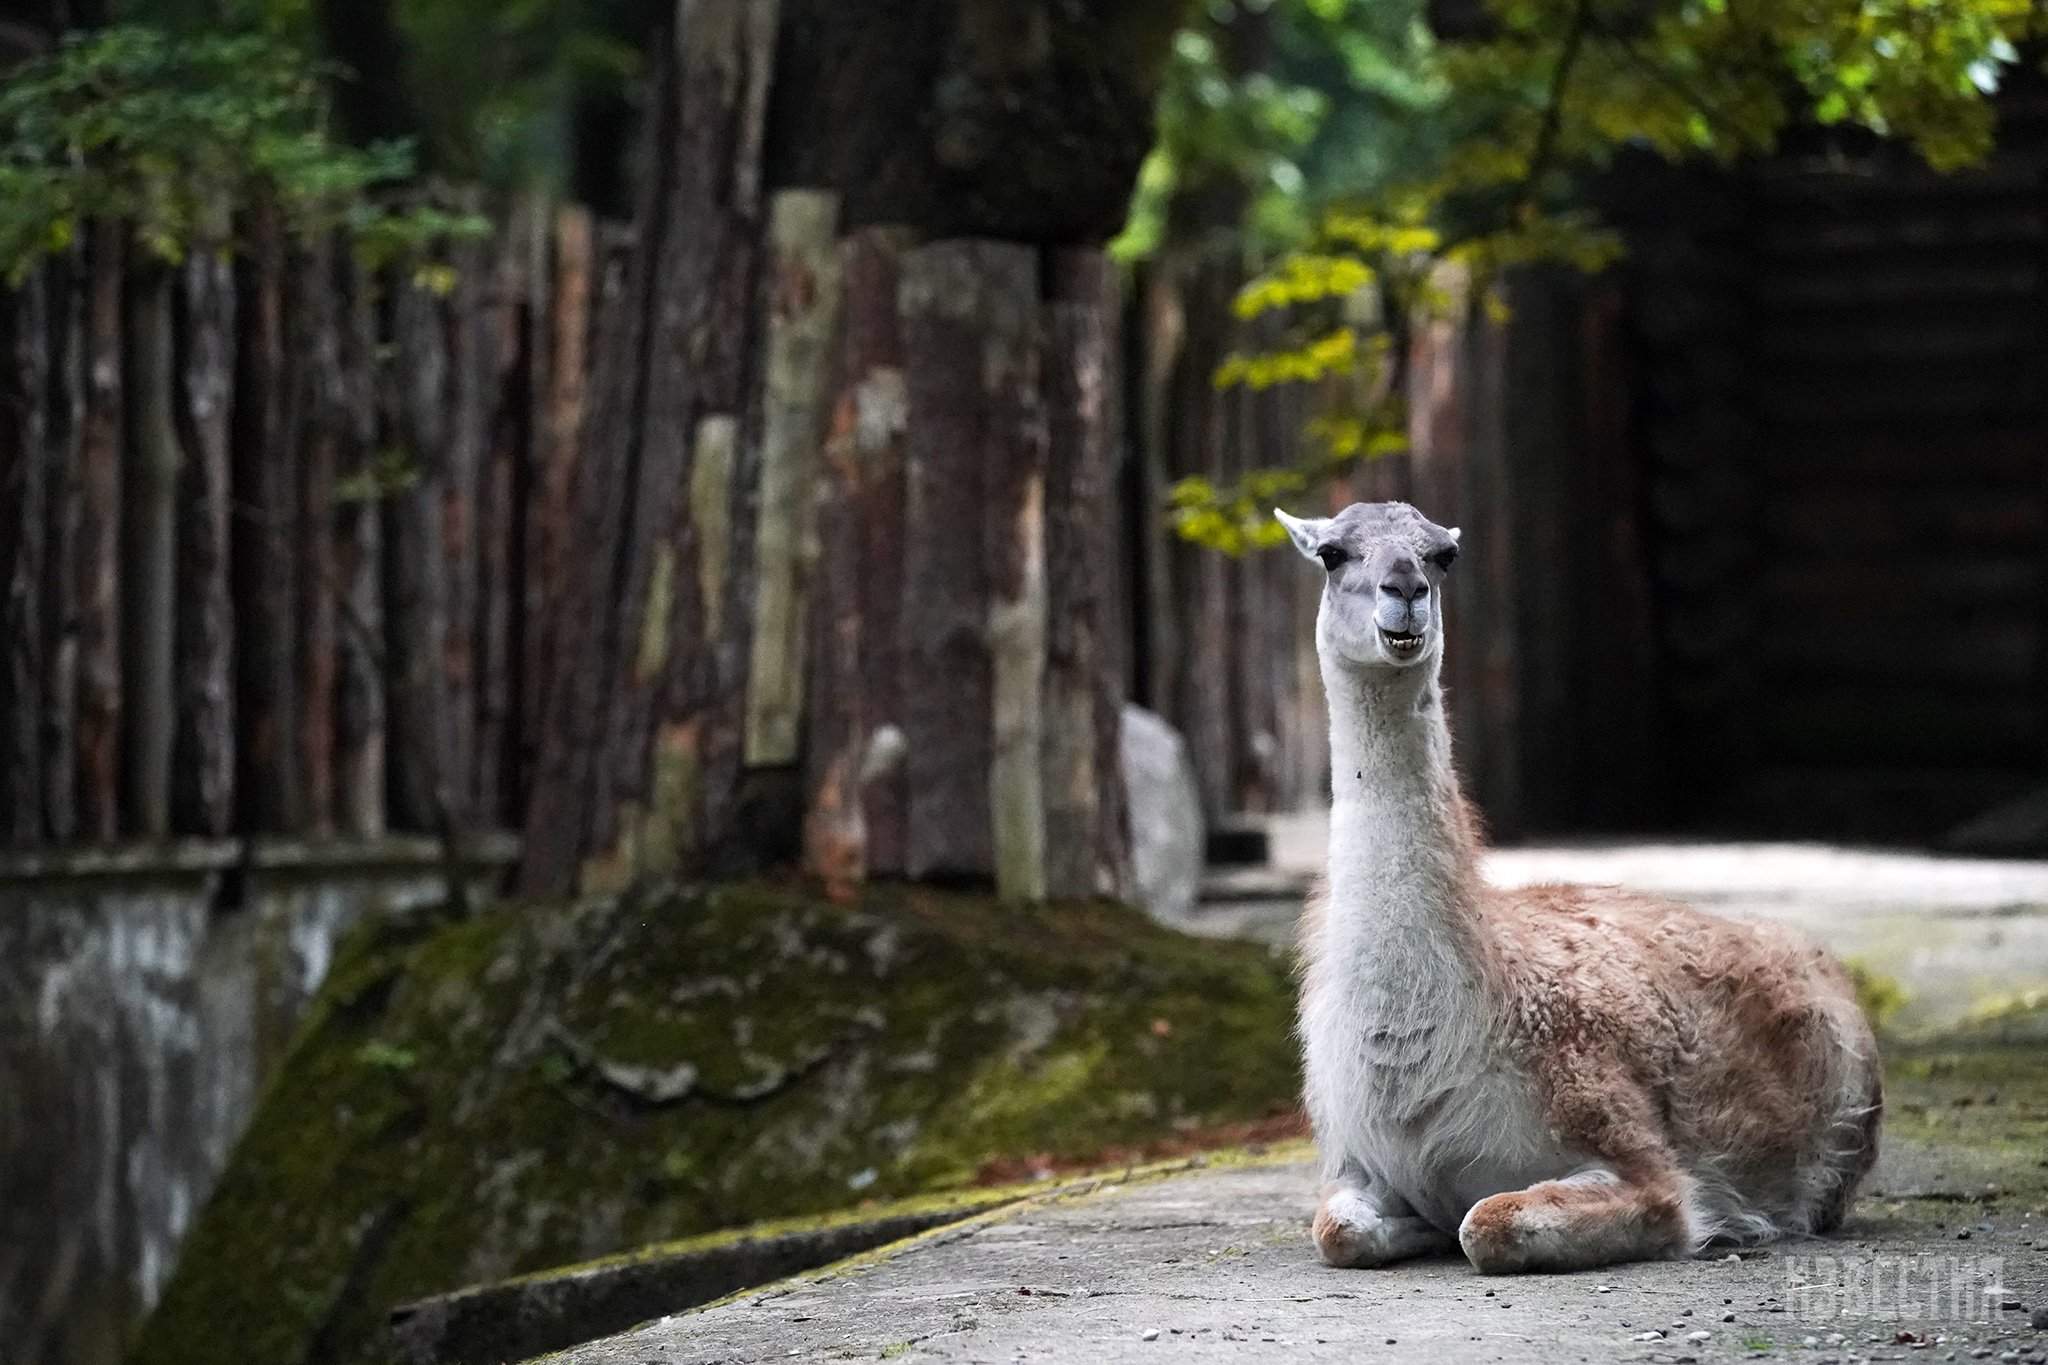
x=974, y=599
x=63, y=434
x=508, y=370
x=803, y=311
x=468, y=429
x=415, y=608
x=149, y=555
x=99, y=541
x=203, y=746
x=359, y=703
x=1085, y=839
x=316, y=422
x=564, y=334
x=854, y=791
x=23, y=480
x=264, y=560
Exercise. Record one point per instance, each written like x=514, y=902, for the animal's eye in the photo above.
x=1445, y=557
x=1331, y=556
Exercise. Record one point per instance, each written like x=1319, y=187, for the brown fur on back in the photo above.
x=1657, y=1032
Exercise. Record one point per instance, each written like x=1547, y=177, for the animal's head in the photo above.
x=1384, y=565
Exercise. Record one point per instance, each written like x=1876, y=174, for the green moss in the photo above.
x=581, y=1079
x=1880, y=996
x=1979, y=1097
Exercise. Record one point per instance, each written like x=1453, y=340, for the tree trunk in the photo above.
x=203, y=750
x=24, y=475
x=99, y=543
x=733, y=681
x=149, y=556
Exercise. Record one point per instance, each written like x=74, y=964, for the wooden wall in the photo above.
x=266, y=528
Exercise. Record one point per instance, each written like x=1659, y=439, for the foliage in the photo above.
x=171, y=135
x=1486, y=164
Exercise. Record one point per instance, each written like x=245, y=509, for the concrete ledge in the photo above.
x=179, y=859
x=546, y=1311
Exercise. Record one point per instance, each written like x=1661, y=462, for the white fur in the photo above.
x=1408, y=1098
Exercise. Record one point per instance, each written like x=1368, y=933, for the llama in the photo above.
x=1559, y=1077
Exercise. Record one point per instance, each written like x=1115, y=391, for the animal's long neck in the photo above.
x=1403, y=866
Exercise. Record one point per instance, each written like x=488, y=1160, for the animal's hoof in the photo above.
x=1343, y=1234
x=1497, y=1238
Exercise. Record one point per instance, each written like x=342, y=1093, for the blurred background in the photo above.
x=718, y=465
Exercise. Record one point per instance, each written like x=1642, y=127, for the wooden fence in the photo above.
x=273, y=529
x=278, y=534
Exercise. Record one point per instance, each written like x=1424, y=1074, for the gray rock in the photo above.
x=1167, y=834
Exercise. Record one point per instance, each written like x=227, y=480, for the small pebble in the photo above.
x=1727, y=1317
x=2040, y=1319
x=1648, y=1336
x=1697, y=1337
x=1150, y=1334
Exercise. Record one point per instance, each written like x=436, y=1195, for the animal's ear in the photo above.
x=1307, y=535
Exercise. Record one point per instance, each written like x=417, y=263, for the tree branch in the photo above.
x=1545, y=148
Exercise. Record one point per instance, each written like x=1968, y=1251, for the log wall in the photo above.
x=263, y=528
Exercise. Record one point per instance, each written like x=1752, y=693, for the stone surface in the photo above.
x=1167, y=837
x=543, y=1083
x=146, y=994
x=1217, y=1263
x=533, y=1313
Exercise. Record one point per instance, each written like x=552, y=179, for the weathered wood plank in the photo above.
x=1084, y=844
x=316, y=421
x=99, y=540
x=470, y=398
x=24, y=474
x=853, y=798
x=973, y=612
x=415, y=558
x=149, y=554
x=203, y=747
x=803, y=289
x=508, y=372
x=264, y=572
x=359, y=699
x=563, y=339
x=64, y=426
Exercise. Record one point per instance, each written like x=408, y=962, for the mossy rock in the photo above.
x=543, y=1084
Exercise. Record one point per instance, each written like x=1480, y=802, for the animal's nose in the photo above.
x=1405, y=583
